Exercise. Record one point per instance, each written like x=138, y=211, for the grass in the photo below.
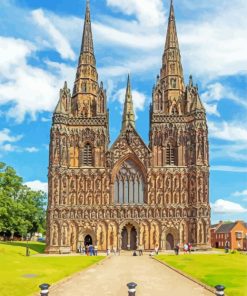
x=21, y=275
x=229, y=270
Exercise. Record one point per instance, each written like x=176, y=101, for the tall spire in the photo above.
x=128, y=114
x=86, y=85
x=171, y=74
x=171, y=37
x=87, y=39
x=172, y=65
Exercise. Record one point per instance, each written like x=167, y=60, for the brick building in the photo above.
x=234, y=234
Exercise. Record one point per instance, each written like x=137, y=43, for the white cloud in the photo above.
x=149, y=13
x=225, y=168
x=217, y=91
x=217, y=47
x=228, y=131
x=222, y=206
x=208, y=48
x=31, y=149
x=211, y=109
x=58, y=40
x=5, y=136
x=29, y=89
x=241, y=193
x=137, y=40
x=8, y=148
x=37, y=185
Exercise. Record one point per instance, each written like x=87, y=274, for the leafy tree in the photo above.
x=22, y=210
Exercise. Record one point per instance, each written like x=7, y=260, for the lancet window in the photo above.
x=170, y=155
x=129, y=185
x=87, y=155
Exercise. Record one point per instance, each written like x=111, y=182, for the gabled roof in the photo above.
x=225, y=228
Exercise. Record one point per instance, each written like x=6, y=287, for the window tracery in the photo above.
x=87, y=155
x=129, y=185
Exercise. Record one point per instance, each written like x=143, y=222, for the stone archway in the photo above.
x=169, y=242
x=124, y=239
x=129, y=236
x=83, y=233
x=88, y=240
x=133, y=239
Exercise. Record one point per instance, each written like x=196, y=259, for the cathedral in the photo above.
x=128, y=195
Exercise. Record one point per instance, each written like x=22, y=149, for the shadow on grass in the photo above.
x=37, y=247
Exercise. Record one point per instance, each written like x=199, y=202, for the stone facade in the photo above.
x=130, y=194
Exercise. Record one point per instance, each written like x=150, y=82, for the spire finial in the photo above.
x=128, y=114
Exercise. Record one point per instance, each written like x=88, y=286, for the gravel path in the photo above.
x=109, y=278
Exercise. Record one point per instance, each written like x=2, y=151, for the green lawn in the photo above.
x=21, y=275
x=229, y=270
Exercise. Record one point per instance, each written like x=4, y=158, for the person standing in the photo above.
x=189, y=247
x=186, y=248
x=156, y=250
x=91, y=250
x=176, y=249
x=96, y=250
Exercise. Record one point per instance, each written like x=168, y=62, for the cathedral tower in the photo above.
x=129, y=195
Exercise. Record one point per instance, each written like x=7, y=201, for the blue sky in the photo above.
x=39, y=46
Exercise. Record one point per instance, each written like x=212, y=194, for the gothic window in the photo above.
x=128, y=186
x=170, y=155
x=87, y=155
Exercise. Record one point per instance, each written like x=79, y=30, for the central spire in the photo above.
x=128, y=114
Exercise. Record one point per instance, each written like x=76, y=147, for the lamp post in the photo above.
x=27, y=246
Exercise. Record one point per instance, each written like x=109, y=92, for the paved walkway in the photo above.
x=109, y=278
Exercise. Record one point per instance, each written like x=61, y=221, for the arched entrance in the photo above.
x=133, y=238
x=124, y=238
x=129, y=237
x=88, y=240
x=169, y=242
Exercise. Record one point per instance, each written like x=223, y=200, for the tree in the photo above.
x=22, y=210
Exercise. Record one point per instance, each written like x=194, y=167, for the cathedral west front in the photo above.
x=130, y=194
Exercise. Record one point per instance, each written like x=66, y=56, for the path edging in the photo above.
x=186, y=276
x=54, y=286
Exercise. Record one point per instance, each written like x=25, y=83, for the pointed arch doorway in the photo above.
x=169, y=242
x=88, y=240
x=129, y=237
